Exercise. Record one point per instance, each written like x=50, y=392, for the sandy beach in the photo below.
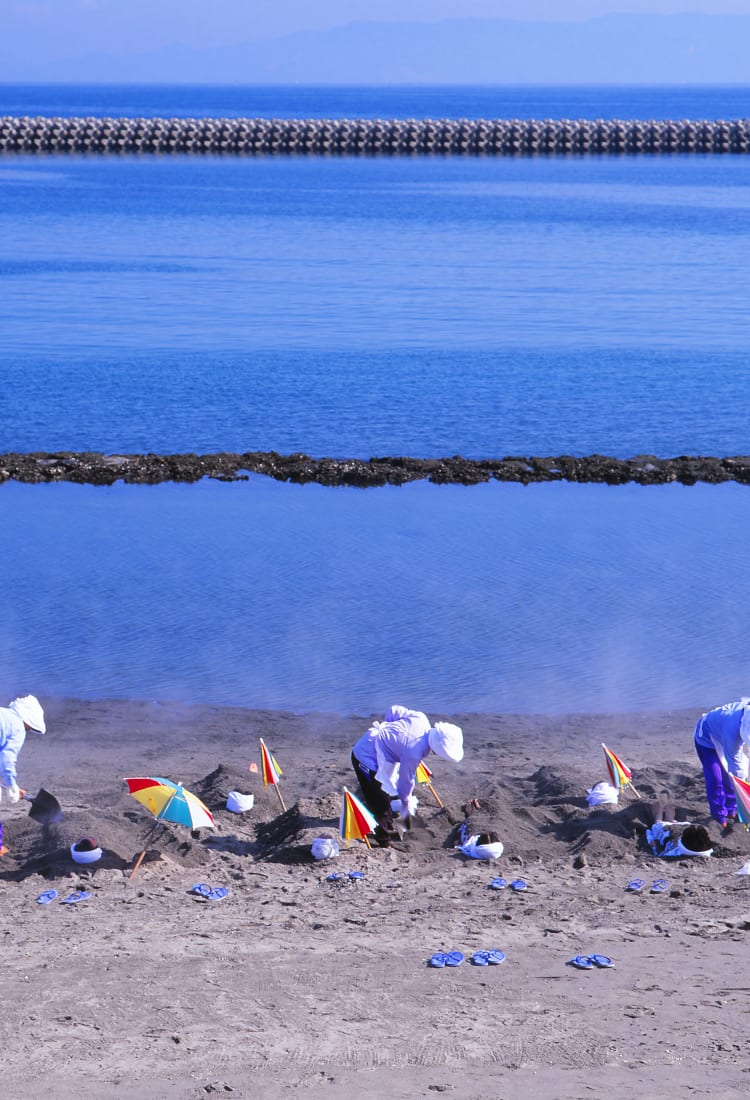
x=297, y=985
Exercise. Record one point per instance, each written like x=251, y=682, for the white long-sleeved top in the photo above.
x=12, y=737
x=400, y=740
x=720, y=729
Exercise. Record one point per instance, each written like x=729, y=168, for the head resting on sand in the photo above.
x=447, y=741
x=29, y=710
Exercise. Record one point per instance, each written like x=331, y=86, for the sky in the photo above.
x=57, y=27
x=44, y=31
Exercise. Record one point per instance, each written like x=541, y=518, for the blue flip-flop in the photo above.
x=201, y=890
x=636, y=885
x=47, y=897
x=498, y=884
x=602, y=961
x=438, y=959
x=334, y=877
x=518, y=884
x=660, y=885
x=217, y=893
x=581, y=962
x=488, y=958
x=75, y=897
x=453, y=958
x=356, y=875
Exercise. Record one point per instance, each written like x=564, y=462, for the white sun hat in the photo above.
x=29, y=710
x=447, y=741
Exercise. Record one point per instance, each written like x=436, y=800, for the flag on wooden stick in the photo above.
x=424, y=775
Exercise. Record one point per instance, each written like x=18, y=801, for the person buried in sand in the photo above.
x=721, y=737
x=19, y=716
x=386, y=758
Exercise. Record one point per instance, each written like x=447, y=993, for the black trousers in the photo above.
x=378, y=802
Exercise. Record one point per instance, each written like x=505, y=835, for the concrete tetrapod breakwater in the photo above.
x=93, y=468
x=363, y=137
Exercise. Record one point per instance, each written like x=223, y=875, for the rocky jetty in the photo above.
x=93, y=468
x=363, y=137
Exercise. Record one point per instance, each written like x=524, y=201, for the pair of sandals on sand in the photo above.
x=352, y=876
x=78, y=895
x=202, y=891
x=517, y=884
x=455, y=958
x=588, y=962
x=635, y=886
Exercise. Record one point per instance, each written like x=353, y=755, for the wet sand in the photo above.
x=297, y=985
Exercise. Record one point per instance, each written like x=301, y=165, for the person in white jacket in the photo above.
x=19, y=716
x=721, y=737
x=386, y=758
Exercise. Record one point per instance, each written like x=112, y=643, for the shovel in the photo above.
x=44, y=807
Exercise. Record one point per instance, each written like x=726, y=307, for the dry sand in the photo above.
x=296, y=985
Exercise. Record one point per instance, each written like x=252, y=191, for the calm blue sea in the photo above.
x=420, y=306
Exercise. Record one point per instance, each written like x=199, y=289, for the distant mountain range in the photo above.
x=612, y=49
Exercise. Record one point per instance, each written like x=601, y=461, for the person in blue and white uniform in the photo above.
x=19, y=716
x=386, y=758
x=721, y=739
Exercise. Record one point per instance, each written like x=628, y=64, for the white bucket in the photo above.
x=85, y=855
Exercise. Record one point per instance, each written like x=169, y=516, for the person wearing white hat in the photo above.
x=24, y=713
x=386, y=758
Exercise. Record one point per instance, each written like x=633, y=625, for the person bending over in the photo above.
x=19, y=716
x=720, y=739
x=386, y=758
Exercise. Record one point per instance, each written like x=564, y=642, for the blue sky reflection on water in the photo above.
x=546, y=598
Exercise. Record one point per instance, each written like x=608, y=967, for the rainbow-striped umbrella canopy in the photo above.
x=356, y=821
x=169, y=801
x=742, y=792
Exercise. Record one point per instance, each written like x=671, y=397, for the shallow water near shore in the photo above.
x=546, y=598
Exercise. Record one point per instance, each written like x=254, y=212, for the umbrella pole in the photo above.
x=635, y=792
x=367, y=842
x=281, y=800
x=152, y=834
x=149, y=838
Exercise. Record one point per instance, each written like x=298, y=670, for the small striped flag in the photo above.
x=424, y=775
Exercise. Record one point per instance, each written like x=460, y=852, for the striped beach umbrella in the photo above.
x=356, y=821
x=271, y=771
x=742, y=793
x=169, y=803
x=620, y=776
